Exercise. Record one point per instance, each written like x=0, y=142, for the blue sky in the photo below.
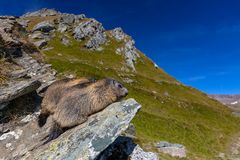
x=198, y=42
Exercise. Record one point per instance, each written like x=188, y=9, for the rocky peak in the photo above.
x=82, y=29
x=41, y=13
x=71, y=18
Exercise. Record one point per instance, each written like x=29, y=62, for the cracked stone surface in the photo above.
x=84, y=142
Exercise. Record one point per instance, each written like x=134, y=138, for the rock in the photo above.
x=127, y=80
x=87, y=29
x=85, y=141
x=18, y=74
x=41, y=13
x=67, y=18
x=130, y=131
x=93, y=30
x=94, y=136
x=79, y=17
x=40, y=44
x=36, y=70
x=125, y=148
x=23, y=22
x=118, y=34
x=44, y=26
x=10, y=43
x=65, y=41
x=29, y=117
x=156, y=66
x=13, y=134
x=96, y=40
x=37, y=35
x=138, y=153
x=174, y=150
x=17, y=89
x=128, y=49
x=62, y=27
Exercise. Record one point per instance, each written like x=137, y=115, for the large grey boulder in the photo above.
x=83, y=142
x=96, y=40
x=44, y=26
x=90, y=29
x=62, y=27
x=67, y=18
x=87, y=29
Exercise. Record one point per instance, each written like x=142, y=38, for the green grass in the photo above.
x=170, y=111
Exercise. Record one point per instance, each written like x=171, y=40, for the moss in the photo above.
x=170, y=111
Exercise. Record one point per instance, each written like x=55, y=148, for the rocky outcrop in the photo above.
x=71, y=18
x=37, y=70
x=17, y=89
x=128, y=49
x=41, y=13
x=22, y=22
x=96, y=40
x=44, y=26
x=62, y=27
x=87, y=29
x=10, y=43
x=174, y=150
x=118, y=34
x=90, y=29
x=85, y=142
x=24, y=73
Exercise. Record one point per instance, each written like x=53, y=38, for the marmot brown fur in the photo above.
x=77, y=103
x=55, y=92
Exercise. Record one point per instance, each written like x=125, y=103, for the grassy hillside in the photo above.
x=170, y=111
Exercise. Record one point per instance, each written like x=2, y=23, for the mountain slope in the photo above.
x=170, y=110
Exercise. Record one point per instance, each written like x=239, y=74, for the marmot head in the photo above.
x=117, y=88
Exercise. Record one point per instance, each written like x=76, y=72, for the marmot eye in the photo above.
x=120, y=86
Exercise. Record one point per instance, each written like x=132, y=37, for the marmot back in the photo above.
x=54, y=94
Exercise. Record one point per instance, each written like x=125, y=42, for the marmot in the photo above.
x=80, y=102
x=55, y=91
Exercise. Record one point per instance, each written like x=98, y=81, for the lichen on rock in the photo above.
x=85, y=141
